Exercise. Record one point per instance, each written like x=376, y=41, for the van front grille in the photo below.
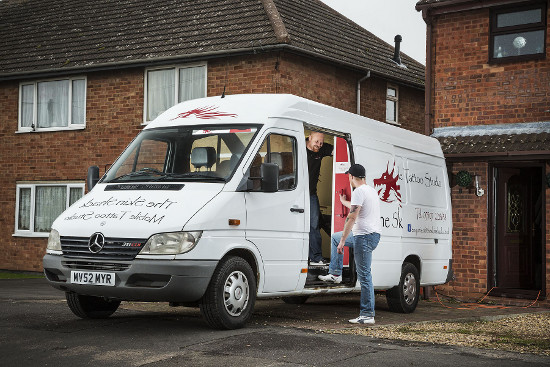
x=85, y=265
x=113, y=248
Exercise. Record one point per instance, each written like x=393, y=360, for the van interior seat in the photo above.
x=286, y=171
x=277, y=158
x=224, y=168
x=203, y=157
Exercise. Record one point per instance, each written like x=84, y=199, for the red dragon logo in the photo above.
x=205, y=113
x=388, y=189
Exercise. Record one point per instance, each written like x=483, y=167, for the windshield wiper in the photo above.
x=190, y=175
x=146, y=171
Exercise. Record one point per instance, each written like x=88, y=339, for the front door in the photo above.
x=518, y=249
x=278, y=222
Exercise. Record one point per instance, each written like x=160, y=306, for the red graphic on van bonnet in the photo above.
x=208, y=112
x=388, y=189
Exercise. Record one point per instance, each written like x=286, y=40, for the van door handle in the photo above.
x=343, y=215
x=296, y=210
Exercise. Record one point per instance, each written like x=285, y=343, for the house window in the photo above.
x=168, y=86
x=52, y=105
x=38, y=205
x=392, y=101
x=518, y=33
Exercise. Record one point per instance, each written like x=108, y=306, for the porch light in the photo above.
x=479, y=190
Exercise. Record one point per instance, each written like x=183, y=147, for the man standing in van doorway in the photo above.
x=316, y=151
x=362, y=233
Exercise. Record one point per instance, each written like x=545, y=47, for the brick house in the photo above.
x=79, y=79
x=488, y=102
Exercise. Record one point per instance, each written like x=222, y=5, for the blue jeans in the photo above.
x=363, y=246
x=315, y=253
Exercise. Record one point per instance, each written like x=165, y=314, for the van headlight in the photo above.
x=54, y=241
x=171, y=243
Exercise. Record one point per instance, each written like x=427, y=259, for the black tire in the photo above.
x=295, y=300
x=405, y=296
x=90, y=307
x=229, y=299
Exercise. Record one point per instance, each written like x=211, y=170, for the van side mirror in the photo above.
x=93, y=177
x=269, y=173
x=269, y=179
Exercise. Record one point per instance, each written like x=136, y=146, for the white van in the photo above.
x=209, y=206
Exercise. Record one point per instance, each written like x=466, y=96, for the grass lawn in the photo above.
x=18, y=275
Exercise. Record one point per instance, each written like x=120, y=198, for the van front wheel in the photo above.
x=404, y=297
x=90, y=307
x=229, y=300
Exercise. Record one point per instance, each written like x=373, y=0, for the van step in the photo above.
x=318, y=266
x=320, y=284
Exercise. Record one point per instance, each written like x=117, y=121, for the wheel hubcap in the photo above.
x=236, y=293
x=409, y=288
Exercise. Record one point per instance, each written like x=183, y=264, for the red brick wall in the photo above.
x=112, y=120
x=411, y=109
x=114, y=115
x=469, y=91
x=337, y=87
x=469, y=235
x=547, y=239
x=319, y=82
x=247, y=74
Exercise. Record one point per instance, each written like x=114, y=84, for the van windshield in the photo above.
x=189, y=153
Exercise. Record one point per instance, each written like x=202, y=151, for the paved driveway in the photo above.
x=39, y=330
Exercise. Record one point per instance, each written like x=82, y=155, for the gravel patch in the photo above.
x=526, y=333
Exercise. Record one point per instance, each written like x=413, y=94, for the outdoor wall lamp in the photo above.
x=468, y=180
x=479, y=190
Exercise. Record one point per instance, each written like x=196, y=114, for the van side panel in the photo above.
x=415, y=211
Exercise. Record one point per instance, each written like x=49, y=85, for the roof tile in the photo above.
x=54, y=35
x=495, y=143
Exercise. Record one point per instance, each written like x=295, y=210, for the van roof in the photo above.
x=266, y=108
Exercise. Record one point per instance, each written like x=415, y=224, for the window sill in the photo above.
x=516, y=59
x=393, y=123
x=31, y=234
x=52, y=129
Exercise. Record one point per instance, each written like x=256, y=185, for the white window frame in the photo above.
x=30, y=232
x=176, y=83
x=396, y=101
x=70, y=125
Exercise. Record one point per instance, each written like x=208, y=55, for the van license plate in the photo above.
x=93, y=278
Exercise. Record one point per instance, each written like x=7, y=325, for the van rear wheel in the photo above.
x=229, y=299
x=404, y=297
x=90, y=307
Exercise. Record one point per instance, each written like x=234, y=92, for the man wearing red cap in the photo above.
x=362, y=233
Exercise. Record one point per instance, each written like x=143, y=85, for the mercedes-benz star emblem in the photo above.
x=96, y=243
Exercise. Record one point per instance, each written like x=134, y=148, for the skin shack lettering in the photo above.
x=123, y=209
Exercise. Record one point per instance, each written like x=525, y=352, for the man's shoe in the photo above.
x=331, y=278
x=318, y=263
x=363, y=320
